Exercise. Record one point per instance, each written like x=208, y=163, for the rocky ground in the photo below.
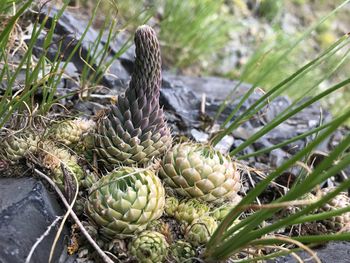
x=28, y=206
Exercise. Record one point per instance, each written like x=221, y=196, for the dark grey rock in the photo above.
x=273, y=109
x=69, y=30
x=215, y=88
x=115, y=76
x=127, y=58
x=183, y=96
x=335, y=252
x=182, y=103
x=225, y=144
x=26, y=210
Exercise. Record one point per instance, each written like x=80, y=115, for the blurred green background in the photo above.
x=240, y=39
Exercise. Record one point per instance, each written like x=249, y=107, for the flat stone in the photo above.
x=72, y=28
x=26, y=211
x=335, y=252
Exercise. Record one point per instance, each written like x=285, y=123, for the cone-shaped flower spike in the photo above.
x=134, y=130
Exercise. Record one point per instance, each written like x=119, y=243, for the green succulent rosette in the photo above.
x=149, y=247
x=17, y=145
x=70, y=132
x=342, y=200
x=171, y=205
x=125, y=201
x=189, y=210
x=199, y=171
x=200, y=231
x=182, y=251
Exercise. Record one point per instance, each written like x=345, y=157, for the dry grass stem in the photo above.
x=103, y=255
x=41, y=238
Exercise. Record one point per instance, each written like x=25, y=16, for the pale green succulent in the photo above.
x=70, y=132
x=53, y=157
x=149, y=247
x=342, y=200
x=171, y=205
x=125, y=201
x=200, y=231
x=16, y=146
x=198, y=171
x=189, y=210
x=72, y=168
x=88, y=181
x=86, y=147
x=221, y=211
x=161, y=226
x=334, y=223
x=182, y=251
x=157, y=225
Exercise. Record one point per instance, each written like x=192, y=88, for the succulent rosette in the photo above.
x=342, y=200
x=70, y=132
x=199, y=171
x=182, y=251
x=171, y=205
x=149, y=247
x=15, y=146
x=125, y=201
x=200, y=231
x=221, y=210
x=189, y=210
x=53, y=156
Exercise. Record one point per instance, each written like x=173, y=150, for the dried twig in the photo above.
x=41, y=238
x=293, y=254
x=301, y=245
x=75, y=218
x=203, y=101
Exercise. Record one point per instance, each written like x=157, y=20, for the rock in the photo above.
x=182, y=95
x=279, y=105
x=215, y=88
x=26, y=211
x=199, y=136
x=127, y=58
x=182, y=103
x=225, y=144
x=69, y=30
x=331, y=252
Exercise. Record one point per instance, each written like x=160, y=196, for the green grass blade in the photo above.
x=222, y=228
x=279, y=119
x=264, y=100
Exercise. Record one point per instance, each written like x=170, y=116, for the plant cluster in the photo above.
x=143, y=197
x=128, y=139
